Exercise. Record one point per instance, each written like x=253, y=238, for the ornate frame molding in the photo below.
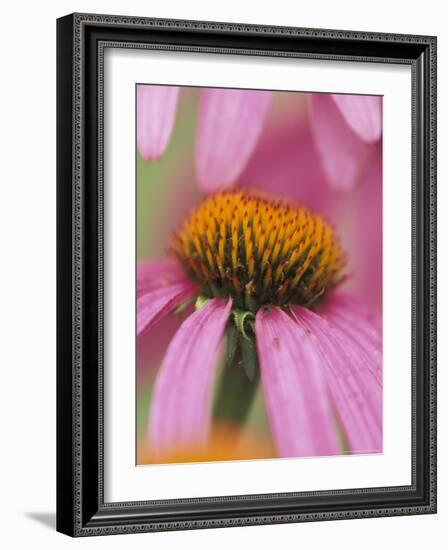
x=81, y=42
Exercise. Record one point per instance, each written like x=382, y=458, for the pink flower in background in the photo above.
x=269, y=270
x=346, y=130
x=156, y=111
x=230, y=123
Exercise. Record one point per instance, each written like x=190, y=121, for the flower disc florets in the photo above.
x=259, y=251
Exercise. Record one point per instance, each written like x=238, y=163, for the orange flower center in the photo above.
x=259, y=251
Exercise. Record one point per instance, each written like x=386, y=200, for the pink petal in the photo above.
x=158, y=273
x=369, y=234
x=230, y=123
x=361, y=344
x=342, y=152
x=346, y=310
x=296, y=394
x=181, y=400
x=153, y=305
x=156, y=111
x=151, y=348
x=362, y=113
x=356, y=391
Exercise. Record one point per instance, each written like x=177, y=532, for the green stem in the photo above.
x=238, y=382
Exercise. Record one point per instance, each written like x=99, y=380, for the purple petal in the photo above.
x=342, y=152
x=153, y=305
x=296, y=394
x=356, y=391
x=154, y=274
x=156, y=111
x=230, y=122
x=363, y=114
x=180, y=408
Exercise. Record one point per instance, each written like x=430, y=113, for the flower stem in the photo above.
x=239, y=380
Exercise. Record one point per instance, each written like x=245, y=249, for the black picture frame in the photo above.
x=81, y=510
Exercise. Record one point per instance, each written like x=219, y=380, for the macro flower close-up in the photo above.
x=259, y=274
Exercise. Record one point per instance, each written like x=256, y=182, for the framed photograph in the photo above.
x=246, y=274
